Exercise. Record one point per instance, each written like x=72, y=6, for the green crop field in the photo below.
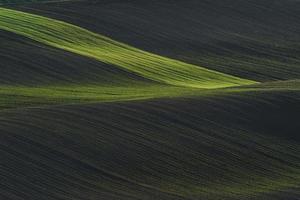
x=146, y=100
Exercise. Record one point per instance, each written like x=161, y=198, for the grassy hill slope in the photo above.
x=253, y=39
x=219, y=147
x=75, y=39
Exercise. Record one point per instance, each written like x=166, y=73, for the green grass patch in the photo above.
x=26, y=96
x=21, y=96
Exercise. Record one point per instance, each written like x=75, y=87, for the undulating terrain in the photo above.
x=150, y=100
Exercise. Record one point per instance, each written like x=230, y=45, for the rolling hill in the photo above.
x=140, y=100
x=75, y=39
x=256, y=40
x=155, y=149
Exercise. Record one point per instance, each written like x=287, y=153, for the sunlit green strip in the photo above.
x=75, y=39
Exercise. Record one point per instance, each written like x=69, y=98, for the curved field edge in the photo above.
x=12, y=97
x=175, y=149
x=78, y=40
x=25, y=62
x=20, y=96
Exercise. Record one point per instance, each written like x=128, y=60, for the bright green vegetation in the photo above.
x=75, y=39
x=18, y=96
x=21, y=96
